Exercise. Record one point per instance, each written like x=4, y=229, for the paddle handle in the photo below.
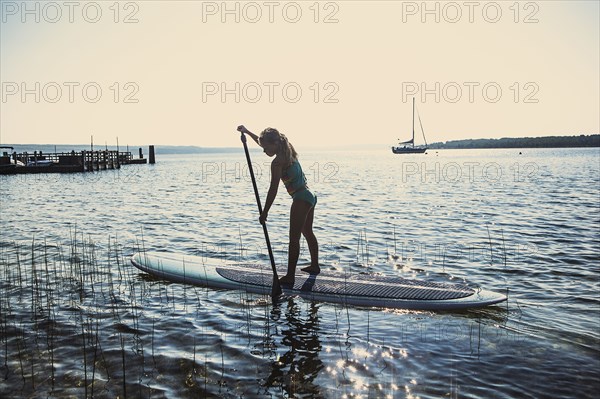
x=276, y=285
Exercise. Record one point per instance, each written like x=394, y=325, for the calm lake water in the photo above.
x=76, y=319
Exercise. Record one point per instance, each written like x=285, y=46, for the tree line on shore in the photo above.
x=522, y=142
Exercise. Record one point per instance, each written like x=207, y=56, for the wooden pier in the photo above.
x=65, y=162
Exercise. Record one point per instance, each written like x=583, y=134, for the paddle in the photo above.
x=276, y=291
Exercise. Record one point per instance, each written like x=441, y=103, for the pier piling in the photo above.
x=152, y=160
x=64, y=162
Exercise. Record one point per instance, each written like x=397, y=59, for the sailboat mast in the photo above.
x=413, y=124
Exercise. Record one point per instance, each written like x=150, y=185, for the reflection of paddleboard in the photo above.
x=328, y=286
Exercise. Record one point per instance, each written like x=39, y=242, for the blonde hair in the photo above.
x=286, y=149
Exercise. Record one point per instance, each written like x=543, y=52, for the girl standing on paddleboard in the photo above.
x=285, y=167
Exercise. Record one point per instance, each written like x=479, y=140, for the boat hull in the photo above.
x=409, y=150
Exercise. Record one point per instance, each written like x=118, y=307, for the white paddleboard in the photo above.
x=327, y=286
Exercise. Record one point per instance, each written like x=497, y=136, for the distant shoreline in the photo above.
x=581, y=141
x=160, y=149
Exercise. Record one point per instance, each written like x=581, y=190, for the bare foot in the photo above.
x=287, y=280
x=312, y=269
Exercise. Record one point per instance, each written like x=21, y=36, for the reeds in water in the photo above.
x=73, y=319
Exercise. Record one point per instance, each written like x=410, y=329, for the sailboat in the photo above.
x=408, y=147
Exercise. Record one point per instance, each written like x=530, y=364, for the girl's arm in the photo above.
x=275, y=177
x=254, y=137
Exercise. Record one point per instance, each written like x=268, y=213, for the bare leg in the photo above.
x=298, y=213
x=313, y=245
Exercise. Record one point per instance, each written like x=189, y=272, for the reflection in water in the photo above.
x=296, y=370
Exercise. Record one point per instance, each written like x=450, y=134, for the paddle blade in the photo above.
x=276, y=292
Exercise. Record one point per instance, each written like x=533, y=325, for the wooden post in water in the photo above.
x=151, y=156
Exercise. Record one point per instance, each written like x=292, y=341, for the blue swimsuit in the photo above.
x=295, y=183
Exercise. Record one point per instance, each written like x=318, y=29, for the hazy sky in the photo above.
x=325, y=73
